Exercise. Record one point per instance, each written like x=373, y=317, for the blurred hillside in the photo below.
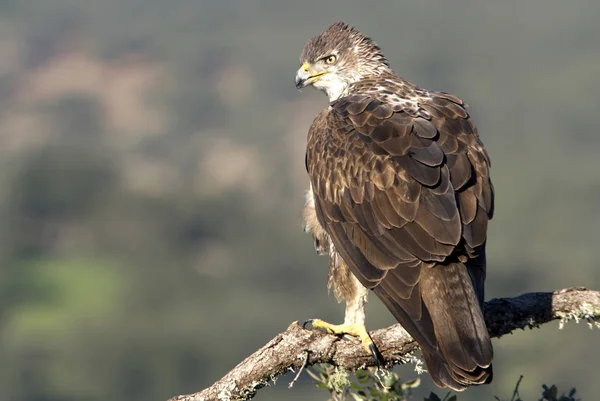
x=152, y=179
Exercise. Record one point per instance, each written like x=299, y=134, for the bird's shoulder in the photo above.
x=389, y=133
x=401, y=96
x=386, y=111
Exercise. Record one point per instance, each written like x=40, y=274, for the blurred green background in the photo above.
x=152, y=180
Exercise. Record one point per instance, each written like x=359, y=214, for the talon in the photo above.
x=307, y=322
x=376, y=355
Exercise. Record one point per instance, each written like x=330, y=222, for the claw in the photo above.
x=307, y=322
x=376, y=355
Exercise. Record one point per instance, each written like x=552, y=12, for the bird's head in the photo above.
x=338, y=57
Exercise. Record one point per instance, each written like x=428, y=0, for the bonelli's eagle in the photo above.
x=400, y=198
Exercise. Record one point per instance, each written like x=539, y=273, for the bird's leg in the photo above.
x=354, y=324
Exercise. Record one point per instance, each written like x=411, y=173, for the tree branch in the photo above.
x=296, y=346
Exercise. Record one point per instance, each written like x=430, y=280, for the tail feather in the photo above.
x=450, y=298
x=444, y=375
x=450, y=329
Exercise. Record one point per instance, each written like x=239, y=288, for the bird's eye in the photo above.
x=330, y=59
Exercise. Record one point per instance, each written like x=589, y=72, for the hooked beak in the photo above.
x=304, y=77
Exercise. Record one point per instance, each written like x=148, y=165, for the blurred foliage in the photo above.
x=152, y=180
x=384, y=385
x=551, y=394
x=369, y=384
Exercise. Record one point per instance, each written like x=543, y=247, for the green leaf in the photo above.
x=433, y=397
x=362, y=376
x=554, y=391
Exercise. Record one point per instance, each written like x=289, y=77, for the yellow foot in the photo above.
x=356, y=330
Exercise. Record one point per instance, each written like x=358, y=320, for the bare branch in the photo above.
x=300, y=371
x=288, y=350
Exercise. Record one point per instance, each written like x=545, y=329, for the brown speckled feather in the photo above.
x=401, y=184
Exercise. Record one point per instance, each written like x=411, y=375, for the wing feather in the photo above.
x=404, y=193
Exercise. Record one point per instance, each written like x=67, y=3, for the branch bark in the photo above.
x=289, y=350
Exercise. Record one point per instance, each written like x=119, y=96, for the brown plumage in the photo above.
x=401, y=192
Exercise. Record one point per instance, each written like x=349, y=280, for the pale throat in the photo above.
x=337, y=86
x=334, y=86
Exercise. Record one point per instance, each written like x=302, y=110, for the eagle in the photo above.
x=400, y=198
